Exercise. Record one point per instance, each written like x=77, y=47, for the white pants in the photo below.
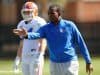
x=29, y=67
x=68, y=68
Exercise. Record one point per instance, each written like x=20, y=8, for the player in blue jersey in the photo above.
x=62, y=37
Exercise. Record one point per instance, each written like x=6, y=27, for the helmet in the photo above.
x=29, y=11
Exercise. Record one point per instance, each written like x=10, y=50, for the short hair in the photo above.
x=55, y=7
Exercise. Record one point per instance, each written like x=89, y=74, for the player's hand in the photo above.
x=20, y=32
x=89, y=68
x=16, y=64
x=16, y=69
x=36, y=62
x=37, y=59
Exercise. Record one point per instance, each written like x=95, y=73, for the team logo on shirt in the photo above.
x=61, y=30
x=30, y=29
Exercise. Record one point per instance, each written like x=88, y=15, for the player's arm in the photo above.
x=43, y=45
x=83, y=49
x=18, y=57
x=19, y=51
x=39, y=54
x=30, y=35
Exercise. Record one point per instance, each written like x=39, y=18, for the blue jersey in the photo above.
x=61, y=40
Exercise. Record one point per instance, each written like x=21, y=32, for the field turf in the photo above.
x=6, y=67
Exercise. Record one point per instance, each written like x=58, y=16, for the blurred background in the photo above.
x=85, y=13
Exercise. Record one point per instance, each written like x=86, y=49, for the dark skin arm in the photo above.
x=20, y=32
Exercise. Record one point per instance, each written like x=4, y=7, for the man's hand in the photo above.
x=20, y=32
x=89, y=68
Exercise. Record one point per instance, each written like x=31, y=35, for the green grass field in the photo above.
x=6, y=67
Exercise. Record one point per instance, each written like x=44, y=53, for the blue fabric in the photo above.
x=62, y=40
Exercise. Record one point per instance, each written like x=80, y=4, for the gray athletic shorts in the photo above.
x=68, y=68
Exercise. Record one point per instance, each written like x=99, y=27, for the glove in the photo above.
x=37, y=59
x=38, y=56
x=16, y=64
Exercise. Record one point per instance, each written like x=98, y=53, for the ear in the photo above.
x=59, y=13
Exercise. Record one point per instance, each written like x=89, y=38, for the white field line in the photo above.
x=9, y=71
